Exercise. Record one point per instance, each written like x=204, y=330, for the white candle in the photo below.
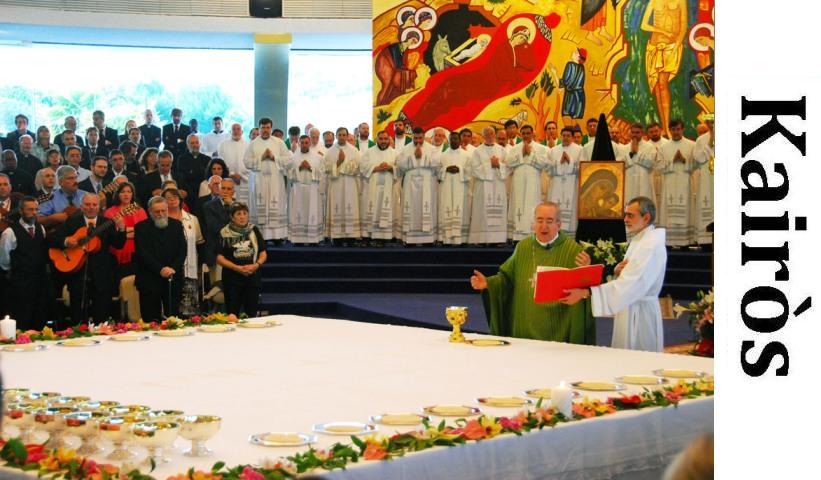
x=562, y=398
x=8, y=328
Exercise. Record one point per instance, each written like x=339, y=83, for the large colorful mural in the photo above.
x=473, y=63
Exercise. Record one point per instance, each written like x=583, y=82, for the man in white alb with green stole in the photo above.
x=508, y=295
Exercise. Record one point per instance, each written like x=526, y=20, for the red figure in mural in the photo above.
x=391, y=68
x=514, y=58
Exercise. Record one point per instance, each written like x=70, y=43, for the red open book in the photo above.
x=551, y=284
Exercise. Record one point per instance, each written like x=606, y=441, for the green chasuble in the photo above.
x=509, y=304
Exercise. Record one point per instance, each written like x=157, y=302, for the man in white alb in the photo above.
x=232, y=151
x=633, y=296
x=703, y=158
x=454, y=194
x=525, y=162
x=639, y=161
x=305, y=222
x=675, y=162
x=563, y=169
x=211, y=140
x=378, y=167
x=341, y=165
x=488, y=220
x=269, y=159
x=418, y=165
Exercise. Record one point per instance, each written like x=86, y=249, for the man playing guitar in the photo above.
x=65, y=200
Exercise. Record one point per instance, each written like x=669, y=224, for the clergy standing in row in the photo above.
x=508, y=295
x=378, y=168
x=269, y=159
x=563, y=189
x=305, y=222
x=418, y=166
x=454, y=194
x=525, y=162
x=633, y=296
x=488, y=223
x=341, y=165
x=675, y=162
x=703, y=158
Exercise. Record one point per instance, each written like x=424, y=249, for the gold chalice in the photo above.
x=456, y=316
x=13, y=395
x=60, y=402
x=164, y=415
x=117, y=430
x=99, y=405
x=155, y=436
x=198, y=429
x=22, y=417
x=85, y=426
x=129, y=410
x=51, y=420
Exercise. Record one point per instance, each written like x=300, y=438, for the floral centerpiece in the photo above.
x=701, y=320
x=607, y=253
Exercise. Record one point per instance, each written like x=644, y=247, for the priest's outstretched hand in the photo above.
x=582, y=259
x=478, y=281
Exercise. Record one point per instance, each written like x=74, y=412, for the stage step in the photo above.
x=396, y=269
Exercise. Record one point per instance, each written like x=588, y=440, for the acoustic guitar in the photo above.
x=6, y=217
x=72, y=259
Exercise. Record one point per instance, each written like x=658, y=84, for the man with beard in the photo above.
x=400, y=137
x=633, y=296
x=160, y=249
x=418, y=165
x=270, y=160
x=440, y=138
x=95, y=282
x=24, y=254
x=305, y=221
x=488, y=223
x=328, y=139
x=341, y=165
x=675, y=162
x=363, y=141
x=454, y=194
x=378, y=168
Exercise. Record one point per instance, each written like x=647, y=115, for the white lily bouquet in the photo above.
x=607, y=253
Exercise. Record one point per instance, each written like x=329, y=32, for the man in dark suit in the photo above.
x=214, y=183
x=108, y=136
x=152, y=135
x=25, y=257
x=98, y=179
x=215, y=215
x=118, y=168
x=160, y=251
x=26, y=160
x=191, y=170
x=93, y=147
x=95, y=282
x=69, y=125
x=22, y=123
x=150, y=184
x=175, y=134
x=20, y=180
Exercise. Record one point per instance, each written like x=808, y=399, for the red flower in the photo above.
x=90, y=467
x=250, y=474
x=474, y=430
x=83, y=327
x=632, y=401
x=22, y=338
x=196, y=319
x=64, y=333
x=35, y=453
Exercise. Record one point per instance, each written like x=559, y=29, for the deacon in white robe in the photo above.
x=232, y=151
x=341, y=165
x=269, y=159
x=633, y=296
x=525, y=162
x=211, y=140
x=454, y=194
x=488, y=219
x=703, y=158
x=655, y=138
x=639, y=161
x=378, y=168
x=675, y=162
x=418, y=165
x=305, y=222
x=563, y=168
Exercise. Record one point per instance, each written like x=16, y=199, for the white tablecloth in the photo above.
x=312, y=370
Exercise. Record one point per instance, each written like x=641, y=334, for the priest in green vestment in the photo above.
x=508, y=295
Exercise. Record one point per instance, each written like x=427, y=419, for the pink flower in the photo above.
x=510, y=424
x=22, y=338
x=250, y=474
x=83, y=327
x=196, y=319
x=64, y=333
x=233, y=318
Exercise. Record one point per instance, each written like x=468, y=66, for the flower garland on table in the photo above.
x=607, y=253
x=701, y=321
x=66, y=465
x=90, y=330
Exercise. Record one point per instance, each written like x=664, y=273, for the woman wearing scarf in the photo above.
x=189, y=301
x=241, y=254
